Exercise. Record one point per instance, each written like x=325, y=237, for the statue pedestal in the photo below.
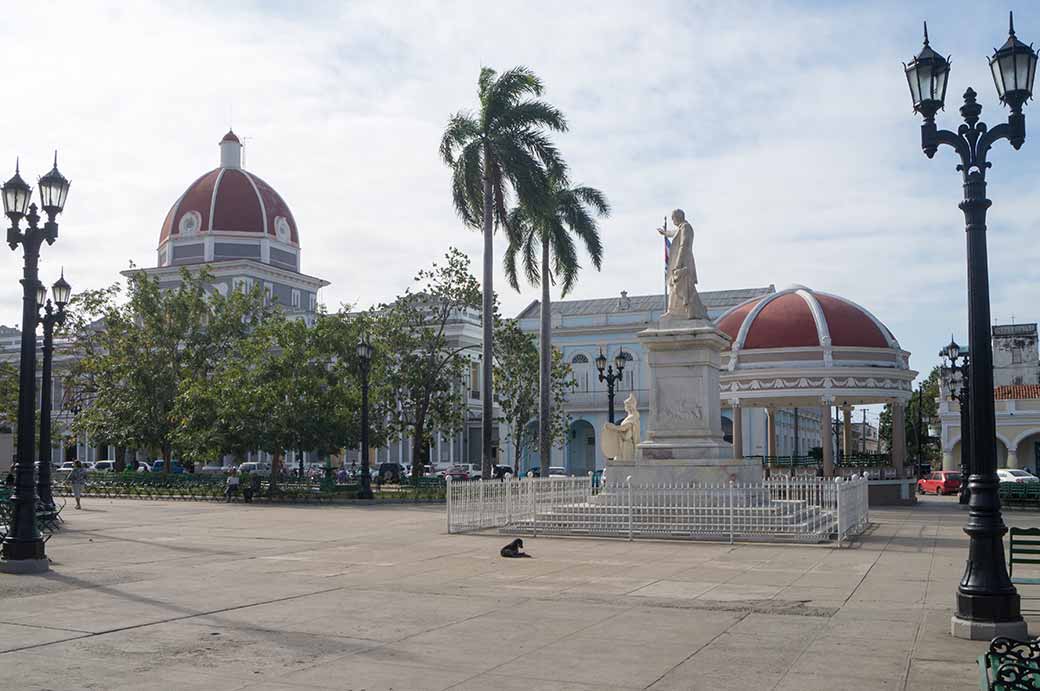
x=684, y=441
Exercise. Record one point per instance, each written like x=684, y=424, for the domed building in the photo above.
x=242, y=230
x=798, y=348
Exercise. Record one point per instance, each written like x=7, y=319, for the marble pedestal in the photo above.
x=684, y=442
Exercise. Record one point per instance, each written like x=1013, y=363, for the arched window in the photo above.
x=579, y=359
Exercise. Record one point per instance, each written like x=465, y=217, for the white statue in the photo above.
x=683, y=300
x=619, y=441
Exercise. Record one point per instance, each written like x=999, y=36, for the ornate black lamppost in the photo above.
x=987, y=603
x=364, y=354
x=23, y=547
x=958, y=368
x=611, y=377
x=51, y=317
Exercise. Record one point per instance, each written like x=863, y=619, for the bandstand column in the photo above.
x=898, y=437
x=771, y=432
x=738, y=429
x=846, y=430
x=826, y=440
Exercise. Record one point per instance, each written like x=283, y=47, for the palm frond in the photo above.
x=532, y=114
x=506, y=91
x=467, y=189
x=462, y=129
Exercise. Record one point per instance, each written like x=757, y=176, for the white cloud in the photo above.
x=783, y=129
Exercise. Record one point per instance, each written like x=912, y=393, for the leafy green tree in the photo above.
x=422, y=360
x=8, y=395
x=139, y=355
x=502, y=147
x=548, y=230
x=928, y=402
x=516, y=388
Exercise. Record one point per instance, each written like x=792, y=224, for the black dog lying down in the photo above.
x=514, y=550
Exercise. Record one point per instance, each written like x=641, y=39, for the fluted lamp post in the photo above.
x=53, y=315
x=364, y=352
x=987, y=604
x=611, y=377
x=23, y=550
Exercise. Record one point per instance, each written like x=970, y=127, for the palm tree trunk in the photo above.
x=487, y=323
x=544, y=368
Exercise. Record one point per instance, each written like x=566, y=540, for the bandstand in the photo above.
x=798, y=348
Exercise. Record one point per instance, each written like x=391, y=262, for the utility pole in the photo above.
x=863, y=433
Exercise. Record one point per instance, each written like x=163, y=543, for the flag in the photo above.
x=667, y=251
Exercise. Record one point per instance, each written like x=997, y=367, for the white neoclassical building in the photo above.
x=796, y=355
x=582, y=329
x=1016, y=393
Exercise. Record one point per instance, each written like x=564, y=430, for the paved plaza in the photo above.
x=154, y=595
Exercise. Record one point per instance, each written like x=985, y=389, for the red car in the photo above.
x=459, y=472
x=940, y=482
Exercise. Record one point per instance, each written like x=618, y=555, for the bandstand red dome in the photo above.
x=802, y=318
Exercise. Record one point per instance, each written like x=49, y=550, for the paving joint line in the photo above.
x=175, y=619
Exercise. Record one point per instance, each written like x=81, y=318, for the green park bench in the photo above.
x=1010, y=665
x=48, y=519
x=1024, y=548
x=1020, y=494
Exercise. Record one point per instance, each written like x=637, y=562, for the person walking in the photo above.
x=231, y=488
x=78, y=480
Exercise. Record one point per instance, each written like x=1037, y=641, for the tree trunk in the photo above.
x=488, y=324
x=276, y=468
x=544, y=368
x=516, y=453
x=417, y=449
x=167, y=453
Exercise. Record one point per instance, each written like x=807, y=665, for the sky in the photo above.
x=784, y=129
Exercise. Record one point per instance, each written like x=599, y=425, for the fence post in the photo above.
x=447, y=498
x=732, y=513
x=628, y=483
x=508, y=489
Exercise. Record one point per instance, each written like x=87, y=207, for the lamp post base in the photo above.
x=987, y=630
x=23, y=566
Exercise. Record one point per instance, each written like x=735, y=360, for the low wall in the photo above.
x=892, y=492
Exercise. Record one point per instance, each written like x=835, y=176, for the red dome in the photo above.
x=229, y=199
x=801, y=318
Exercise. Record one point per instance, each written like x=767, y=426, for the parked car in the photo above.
x=253, y=467
x=67, y=466
x=940, y=482
x=390, y=472
x=557, y=471
x=175, y=467
x=106, y=466
x=458, y=472
x=212, y=469
x=1015, y=475
x=500, y=471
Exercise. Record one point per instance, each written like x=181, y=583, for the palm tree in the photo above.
x=502, y=147
x=548, y=230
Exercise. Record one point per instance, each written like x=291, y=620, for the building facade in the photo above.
x=582, y=329
x=1016, y=393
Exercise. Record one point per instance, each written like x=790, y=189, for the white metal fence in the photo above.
x=805, y=509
